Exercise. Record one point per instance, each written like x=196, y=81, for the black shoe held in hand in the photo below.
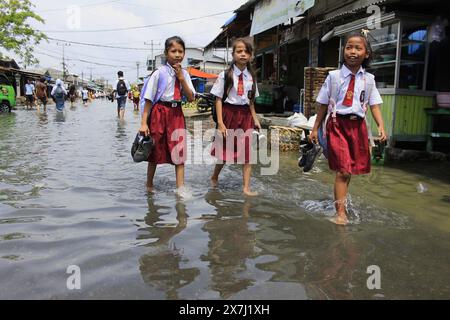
x=311, y=157
x=304, y=151
x=141, y=148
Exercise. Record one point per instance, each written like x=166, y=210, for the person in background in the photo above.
x=29, y=94
x=121, y=89
x=59, y=94
x=85, y=96
x=136, y=97
x=72, y=94
x=41, y=94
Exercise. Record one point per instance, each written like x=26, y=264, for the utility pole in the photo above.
x=90, y=68
x=152, y=57
x=137, y=69
x=64, y=44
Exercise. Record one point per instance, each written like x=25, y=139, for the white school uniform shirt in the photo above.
x=233, y=98
x=127, y=84
x=85, y=94
x=345, y=77
x=168, y=94
x=29, y=89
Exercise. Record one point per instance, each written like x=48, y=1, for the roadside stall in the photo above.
x=280, y=35
x=201, y=80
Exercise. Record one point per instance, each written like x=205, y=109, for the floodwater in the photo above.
x=71, y=195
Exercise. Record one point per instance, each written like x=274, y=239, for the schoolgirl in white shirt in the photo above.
x=235, y=92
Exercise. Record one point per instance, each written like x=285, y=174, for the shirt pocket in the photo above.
x=248, y=86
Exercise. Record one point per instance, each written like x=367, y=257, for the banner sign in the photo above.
x=270, y=13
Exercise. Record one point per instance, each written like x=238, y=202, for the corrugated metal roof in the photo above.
x=350, y=9
x=24, y=72
x=361, y=24
x=9, y=63
x=229, y=20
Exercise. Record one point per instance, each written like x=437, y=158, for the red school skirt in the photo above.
x=168, y=130
x=236, y=148
x=348, y=145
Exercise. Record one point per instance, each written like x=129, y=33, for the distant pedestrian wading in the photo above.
x=121, y=89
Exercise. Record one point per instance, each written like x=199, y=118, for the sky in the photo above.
x=62, y=21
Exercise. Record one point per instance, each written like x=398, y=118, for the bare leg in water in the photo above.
x=215, y=177
x=340, y=196
x=151, y=170
x=246, y=173
x=179, y=172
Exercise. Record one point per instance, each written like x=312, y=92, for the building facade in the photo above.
x=409, y=38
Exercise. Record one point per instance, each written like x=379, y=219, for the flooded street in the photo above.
x=70, y=194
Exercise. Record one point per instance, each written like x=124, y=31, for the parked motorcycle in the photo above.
x=205, y=101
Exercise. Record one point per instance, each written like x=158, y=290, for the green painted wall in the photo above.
x=387, y=109
x=410, y=117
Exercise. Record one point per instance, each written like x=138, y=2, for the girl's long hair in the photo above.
x=229, y=73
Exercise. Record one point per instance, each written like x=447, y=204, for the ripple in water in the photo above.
x=358, y=213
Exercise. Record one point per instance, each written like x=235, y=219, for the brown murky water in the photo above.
x=70, y=195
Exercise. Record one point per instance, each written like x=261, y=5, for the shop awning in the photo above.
x=9, y=64
x=360, y=24
x=352, y=8
x=386, y=17
x=22, y=72
x=229, y=21
x=200, y=74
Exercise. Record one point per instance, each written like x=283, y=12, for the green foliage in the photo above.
x=16, y=33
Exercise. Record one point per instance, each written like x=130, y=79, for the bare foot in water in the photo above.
x=340, y=220
x=250, y=193
x=214, y=183
x=150, y=189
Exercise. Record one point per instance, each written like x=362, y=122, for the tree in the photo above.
x=16, y=34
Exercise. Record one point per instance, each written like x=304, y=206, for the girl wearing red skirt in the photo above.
x=163, y=116
x=346, y=131
x=235, y=92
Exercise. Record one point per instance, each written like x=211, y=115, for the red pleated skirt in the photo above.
x=348, y=146
x=236, y=148
x=168, y=129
